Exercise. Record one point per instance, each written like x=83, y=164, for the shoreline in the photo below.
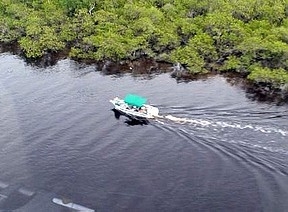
x=262, y=92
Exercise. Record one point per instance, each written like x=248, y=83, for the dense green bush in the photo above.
x=249, y=36
x=276, y=77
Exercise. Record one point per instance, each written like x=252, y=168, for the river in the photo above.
x=215, y=150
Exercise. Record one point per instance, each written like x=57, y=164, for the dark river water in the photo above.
x=215, y=150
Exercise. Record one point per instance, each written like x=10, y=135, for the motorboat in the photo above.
x=135, y=107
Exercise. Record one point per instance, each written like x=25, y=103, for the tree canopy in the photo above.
x=245, y=36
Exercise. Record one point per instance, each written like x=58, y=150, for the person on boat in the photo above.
x=143, y=109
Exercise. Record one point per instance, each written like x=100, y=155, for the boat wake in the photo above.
x=222, y=124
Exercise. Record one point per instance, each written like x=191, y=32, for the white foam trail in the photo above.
x=206, y=123
x=185, y=120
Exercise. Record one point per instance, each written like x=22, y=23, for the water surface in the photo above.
x=216, y=150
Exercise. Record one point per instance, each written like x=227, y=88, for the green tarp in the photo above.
x=135, y=100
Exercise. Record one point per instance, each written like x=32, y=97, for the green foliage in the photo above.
x=269, y=51
x=42, y=30
x=193, y=8
x=281, y=33
x=37, y=46
x=194, y=54
x=271, y=10
x=12, y=21
x=232, y=35
x=82, y=25
x=203, y=44
x=108, y=45
x=71, y=6
x=225, y=30
x=231, y=64
x=277, y=77
x=190, y=57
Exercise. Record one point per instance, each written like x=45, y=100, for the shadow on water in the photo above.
x=48, y=59
x=117, y=114
x=260, y=92
x=147, y=68
x=133, y=122
x=130, y=121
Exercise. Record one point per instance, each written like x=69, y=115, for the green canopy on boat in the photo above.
x=135, y=100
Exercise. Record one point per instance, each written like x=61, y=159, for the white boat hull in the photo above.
x=149, y=112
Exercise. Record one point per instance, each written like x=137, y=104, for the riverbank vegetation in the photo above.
x=249, y=37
